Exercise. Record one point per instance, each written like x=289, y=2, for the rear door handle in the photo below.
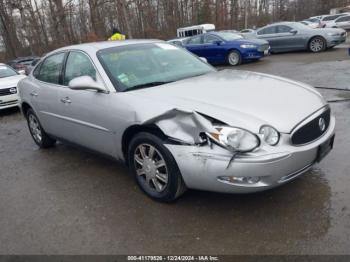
x=66, y=100
x=34, y=94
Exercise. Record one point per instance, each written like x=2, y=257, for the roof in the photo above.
x=282, y=23
x=107, y=44
x=204, y=26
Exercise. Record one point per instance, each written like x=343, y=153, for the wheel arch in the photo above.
x=133, y=130
x=229, y=50
x=25, y=107
x=314, y=36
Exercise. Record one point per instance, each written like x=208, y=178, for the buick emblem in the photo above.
x=13, y=90
x=322, y=124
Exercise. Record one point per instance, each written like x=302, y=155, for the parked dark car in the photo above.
x=21, y=63
x=30, y=67
x=226, y=47
x=294, y=36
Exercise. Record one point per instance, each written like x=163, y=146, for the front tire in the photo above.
x=37, y=132
x=154, y=168
x=317, y=44
x=234, y=58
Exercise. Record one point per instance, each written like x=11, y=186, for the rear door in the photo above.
x=195, y=45
x=45, y=94
x=269, y=33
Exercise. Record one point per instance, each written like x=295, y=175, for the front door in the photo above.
x=87, y=113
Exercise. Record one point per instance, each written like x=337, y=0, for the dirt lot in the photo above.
x=66, y=201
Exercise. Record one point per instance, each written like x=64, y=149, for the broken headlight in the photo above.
x=270, y=135
x=235, y=139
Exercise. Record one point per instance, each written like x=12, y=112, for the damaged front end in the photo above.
x=216, y=157
x=193, y=128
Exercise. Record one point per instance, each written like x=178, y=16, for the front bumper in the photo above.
x=9, y=101
x=336, y=40
x=252, y=54
x=203, y=166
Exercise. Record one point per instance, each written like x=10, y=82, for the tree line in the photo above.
x=38, y=26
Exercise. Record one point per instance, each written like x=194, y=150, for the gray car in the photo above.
x=293, y=36
x=176, y=121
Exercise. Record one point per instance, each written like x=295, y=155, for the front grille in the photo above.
x=262, y=48
x=8, y=91
x=312, y=130
x=8, y=103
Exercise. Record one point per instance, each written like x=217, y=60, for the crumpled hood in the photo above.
x=11, y=81
x=240, y=98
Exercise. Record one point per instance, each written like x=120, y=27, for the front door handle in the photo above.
x=66, y=100
x=34, y=94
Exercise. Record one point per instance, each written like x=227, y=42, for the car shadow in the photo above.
x=9, y=111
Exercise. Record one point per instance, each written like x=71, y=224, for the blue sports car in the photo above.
x=226, y=47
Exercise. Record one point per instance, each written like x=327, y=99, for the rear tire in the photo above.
x=154, y=168
x=37, y=132
x=317, y=44
x=234, y=58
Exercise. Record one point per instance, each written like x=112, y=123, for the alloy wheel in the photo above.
x=151, y=167
x=35, y=128
x=233, y=58
x=317, y=45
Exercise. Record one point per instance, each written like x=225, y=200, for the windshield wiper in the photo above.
x=150, y=84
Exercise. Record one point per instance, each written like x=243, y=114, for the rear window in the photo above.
x=332, y=17
x=50, y=69
x=268, y=30
x=343, y=19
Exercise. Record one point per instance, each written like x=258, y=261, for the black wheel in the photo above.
x=317, y=44
x=234, y=58
x=38, y=134
x=154, y=168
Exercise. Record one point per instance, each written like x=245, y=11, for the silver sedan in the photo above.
x=176, y=121
x=293, y=36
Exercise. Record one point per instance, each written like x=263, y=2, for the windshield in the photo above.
x=6, y=71
x=313, y=20
x=145, y=65
x=227, y=36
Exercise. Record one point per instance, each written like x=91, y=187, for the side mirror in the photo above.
x=21, y=72
x=204, y=59
x=293, y=31
x=217, y=42
x=86, y=83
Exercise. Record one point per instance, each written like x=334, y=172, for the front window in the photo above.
x=78, y=64
x=6, y=71
x=145, y=65
x=283, y=29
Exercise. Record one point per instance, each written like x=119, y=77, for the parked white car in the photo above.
x=9, y=79
x=341, y=22
x=329, y=19
x=312, y=22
